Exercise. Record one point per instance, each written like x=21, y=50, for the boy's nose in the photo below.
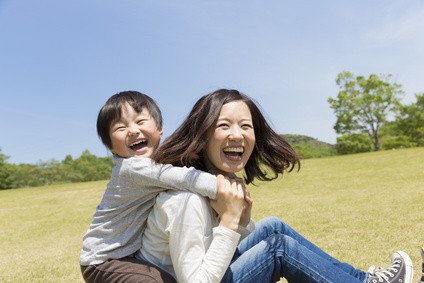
x=133, y=130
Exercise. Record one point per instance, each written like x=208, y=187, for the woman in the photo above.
x=224, y=134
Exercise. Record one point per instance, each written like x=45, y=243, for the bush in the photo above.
x=397, y=142
x=353, y=143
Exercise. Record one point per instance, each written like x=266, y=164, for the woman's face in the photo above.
x=232, y=140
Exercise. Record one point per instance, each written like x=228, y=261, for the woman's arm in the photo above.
x=200, y=250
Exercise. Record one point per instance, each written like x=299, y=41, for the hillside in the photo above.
x=309, y=147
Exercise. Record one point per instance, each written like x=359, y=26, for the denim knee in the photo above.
x=281, y=243
x=274, y=223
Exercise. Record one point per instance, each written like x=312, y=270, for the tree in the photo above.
x=3, y=157
x=88, y=167
x=363, y=105
x=410, y=121
x=392, y=138
x=5, y=171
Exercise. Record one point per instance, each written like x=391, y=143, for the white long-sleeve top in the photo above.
x=121, y=216
x=183, y=237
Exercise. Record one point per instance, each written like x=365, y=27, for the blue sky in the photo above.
x=61, y=60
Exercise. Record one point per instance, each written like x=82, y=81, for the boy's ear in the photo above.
x=161, y=132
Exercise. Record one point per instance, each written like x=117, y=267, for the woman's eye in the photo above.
x=247, y=126
x=222, y=125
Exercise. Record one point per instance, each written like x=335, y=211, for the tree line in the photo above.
x=370, y=117
x=87, y=167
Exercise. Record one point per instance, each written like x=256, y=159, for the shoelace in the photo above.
x=386, y=274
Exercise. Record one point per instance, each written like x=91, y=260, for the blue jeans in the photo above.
x=274, y=250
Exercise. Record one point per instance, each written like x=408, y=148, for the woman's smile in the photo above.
x=234, y=153
x=232, y=140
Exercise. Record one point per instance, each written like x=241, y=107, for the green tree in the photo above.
x=3, y=157
x=5, y=171
x=89, y=167
x=410, y=121
x=391, y=138
x=363, y=104
x=26, y=175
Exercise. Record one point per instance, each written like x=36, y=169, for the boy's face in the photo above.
x=135, y=134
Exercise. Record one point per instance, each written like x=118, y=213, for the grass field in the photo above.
x=359, y=208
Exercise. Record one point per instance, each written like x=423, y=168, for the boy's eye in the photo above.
x=141, y=121
x=118, y=128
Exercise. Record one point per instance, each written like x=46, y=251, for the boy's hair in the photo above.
x=112, y=111
x=186, y=146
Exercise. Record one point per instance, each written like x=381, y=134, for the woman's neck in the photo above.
x=213, y=170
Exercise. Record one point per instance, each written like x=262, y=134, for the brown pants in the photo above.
x=125, y=270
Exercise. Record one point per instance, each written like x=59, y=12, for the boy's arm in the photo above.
x=148, y=173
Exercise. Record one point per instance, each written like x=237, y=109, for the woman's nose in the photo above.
x=235, y=134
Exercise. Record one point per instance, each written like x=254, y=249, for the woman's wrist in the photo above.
x=229, y=222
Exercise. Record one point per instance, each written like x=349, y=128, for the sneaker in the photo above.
x=400, y=271
x=422, y=275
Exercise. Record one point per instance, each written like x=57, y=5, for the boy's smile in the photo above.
x=139, y=144
x=135, y=134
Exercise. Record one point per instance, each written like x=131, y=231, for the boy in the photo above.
x=130, y=125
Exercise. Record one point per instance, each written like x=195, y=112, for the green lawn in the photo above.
x=359, y=208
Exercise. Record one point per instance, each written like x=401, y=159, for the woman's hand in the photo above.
x=247, y=207
x=230, y=202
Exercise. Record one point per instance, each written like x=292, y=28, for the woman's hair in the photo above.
x=112, y=112
x=186, y=146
